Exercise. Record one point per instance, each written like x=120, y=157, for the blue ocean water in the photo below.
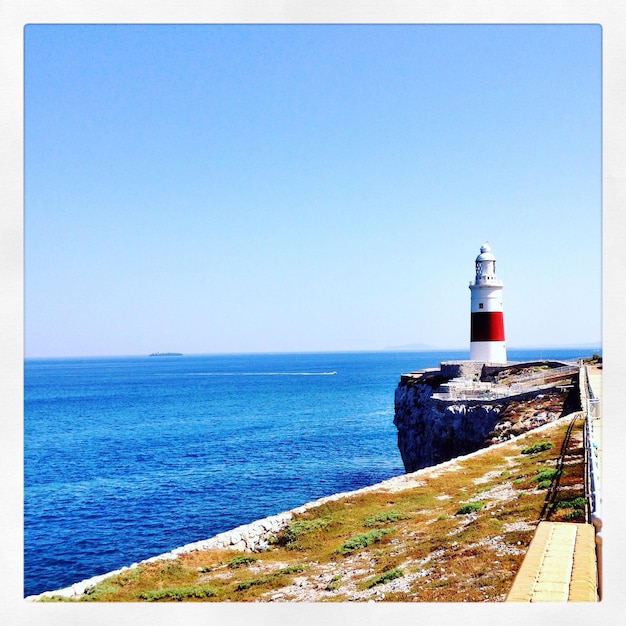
x=129, y=457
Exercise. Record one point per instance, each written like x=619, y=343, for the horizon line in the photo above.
x=585, y=346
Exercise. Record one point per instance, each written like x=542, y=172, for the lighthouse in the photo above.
x=487, y=319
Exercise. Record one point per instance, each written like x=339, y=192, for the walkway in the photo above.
x=564, y=560
x=560, y=565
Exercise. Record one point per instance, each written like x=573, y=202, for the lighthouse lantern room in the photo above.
x=487, y=318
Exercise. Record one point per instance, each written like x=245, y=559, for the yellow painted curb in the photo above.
x=560, y=565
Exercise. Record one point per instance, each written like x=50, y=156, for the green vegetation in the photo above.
x=262, y=580
x=538, y=447
x=546, y=474
x=241, y=560
x=246, y=584
x=297, y=534
x=385, y=577
x=178, y=594
x=383, y=518
x=571, y=510
x=470, y=507
x=334, y=583
x=574, y=516
x=363, y=540
x=575, y=503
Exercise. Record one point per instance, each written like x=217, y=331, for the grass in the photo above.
x=470, y=507
x=576, y=503
x=346, y=549
x=537, y=447
x=302, y=533
x=334, y=583
x=363, y=540
x=385, y=577
x=382, y=518
x=548, y=473
x=240, y=560
x=575, y=509
x=178, y=594
x=271, y=578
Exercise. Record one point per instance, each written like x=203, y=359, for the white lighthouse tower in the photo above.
x=487, y=324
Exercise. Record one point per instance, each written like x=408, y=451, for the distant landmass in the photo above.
x=416, y=347
x=166, y=354
x=410, y=346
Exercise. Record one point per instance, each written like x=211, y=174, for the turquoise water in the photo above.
x=129, y=457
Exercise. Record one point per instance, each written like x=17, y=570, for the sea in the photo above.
x=129, y=457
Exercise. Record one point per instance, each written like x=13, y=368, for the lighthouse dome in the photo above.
x=485, y=254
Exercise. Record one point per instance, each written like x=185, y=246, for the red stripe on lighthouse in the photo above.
x=487, y=326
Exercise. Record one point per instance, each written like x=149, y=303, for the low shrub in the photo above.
x=470, y=507
x=261, y=580
x=576, y=514
x=382, y=518
x=334, y=583
x=291, y=569
x=363, y=540
x=99, y=591
x=241, y=560
x=242, y=585
x=538, y=447
x=178, y=594
x=576, y=503
x=385, y=577
x=548, y=473
x=291, y=537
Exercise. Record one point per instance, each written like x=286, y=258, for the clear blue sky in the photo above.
x=262, y=188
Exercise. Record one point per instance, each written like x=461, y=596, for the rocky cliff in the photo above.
x=460, y=408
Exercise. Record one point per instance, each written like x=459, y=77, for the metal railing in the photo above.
x=532, y=381
x=550, y=374
x=591, y=406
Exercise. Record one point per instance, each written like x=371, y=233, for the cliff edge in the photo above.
x=464, y=406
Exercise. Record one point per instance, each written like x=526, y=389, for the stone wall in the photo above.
x=471, y=370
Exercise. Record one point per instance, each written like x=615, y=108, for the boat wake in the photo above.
x=262, y=373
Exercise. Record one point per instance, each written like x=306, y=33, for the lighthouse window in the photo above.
x=480, y=305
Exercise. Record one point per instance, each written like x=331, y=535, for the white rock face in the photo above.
x=434, y=426
x=432, y=431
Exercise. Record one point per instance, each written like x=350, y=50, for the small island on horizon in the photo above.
x=166, y=354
